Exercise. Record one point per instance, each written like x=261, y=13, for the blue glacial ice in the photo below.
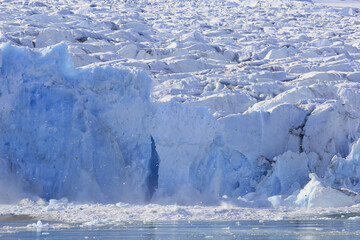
x=75, y=133
x=93, y=134
x=345, y=172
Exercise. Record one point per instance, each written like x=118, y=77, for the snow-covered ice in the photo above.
x=250, y=103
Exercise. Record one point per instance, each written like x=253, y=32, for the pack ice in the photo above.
x=252, y=102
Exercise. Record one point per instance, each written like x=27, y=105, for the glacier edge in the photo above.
x=93, y=134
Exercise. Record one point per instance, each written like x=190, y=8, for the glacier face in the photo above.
x=93, y=134
x=248, y=103
x=81, y=134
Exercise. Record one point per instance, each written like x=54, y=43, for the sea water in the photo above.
x=332, y=228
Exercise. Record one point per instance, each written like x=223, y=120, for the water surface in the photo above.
x=284, y=229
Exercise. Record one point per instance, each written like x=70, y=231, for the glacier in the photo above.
x=248, y=103
x=75, y=133
x=93, y=134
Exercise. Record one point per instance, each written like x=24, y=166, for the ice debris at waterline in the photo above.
x=92, y=134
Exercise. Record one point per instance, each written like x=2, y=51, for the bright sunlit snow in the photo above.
x=140, y=106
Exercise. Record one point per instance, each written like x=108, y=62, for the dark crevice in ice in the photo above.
x=82, y=39
x=152, y=180
x=300, y=132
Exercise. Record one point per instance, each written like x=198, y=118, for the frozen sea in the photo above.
x=336, y=228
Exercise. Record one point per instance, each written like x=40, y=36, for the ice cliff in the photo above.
x=192, y=102
x=75, y=133
x=92, y=134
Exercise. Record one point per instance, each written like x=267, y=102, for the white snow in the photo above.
x=255, y=103
x=346, y=5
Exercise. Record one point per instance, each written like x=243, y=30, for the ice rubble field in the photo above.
x=219, y=103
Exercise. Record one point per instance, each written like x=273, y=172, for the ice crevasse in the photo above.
x=93, y=134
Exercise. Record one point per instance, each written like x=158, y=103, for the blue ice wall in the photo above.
x=75, y=133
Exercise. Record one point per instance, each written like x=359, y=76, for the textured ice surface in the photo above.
x=316, y=194
x=344, y=172
x=254, y=102
x=80, y=134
